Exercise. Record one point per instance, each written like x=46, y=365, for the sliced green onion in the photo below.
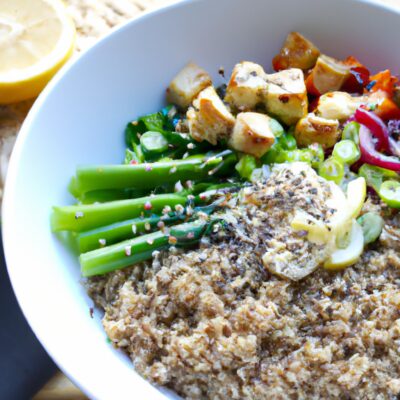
x=351, y=132
x=346, y=151
x=389, y=192
x=332, y=170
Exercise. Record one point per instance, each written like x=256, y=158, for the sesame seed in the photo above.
x=166, y=210
x=190, y=197
x=147, y=226
x=147, y=206
x=190, y=235
x=128, y=251
x=134, y=229
x=160, y=225
x=150, y=241
x=179, y=208
x=190, y=146
x=147, y=167
x=102, y=242
x=78, y=214
x=185, y=155
x=189, y=184
x=172, y=240
x=135, y=123
x=178, y=186
x=172, y=170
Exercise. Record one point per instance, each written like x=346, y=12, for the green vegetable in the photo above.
x=129, y=252
x=119, y=231
x=318, y=154
x=351, y=132
x=332, y=170
x=389, y=192
x=346, y=151
x=151, y=175
x=372, y=225
x=276, y=127
x=375, y=176
x=272, y=154
x=153, y=142
x=246, y=165
x=83, y=217
x=287, y=141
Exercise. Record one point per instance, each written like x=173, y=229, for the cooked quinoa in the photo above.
x=214, y=323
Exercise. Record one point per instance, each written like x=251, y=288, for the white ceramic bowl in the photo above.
x=80, y=117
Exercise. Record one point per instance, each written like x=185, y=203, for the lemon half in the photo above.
x=36, y=38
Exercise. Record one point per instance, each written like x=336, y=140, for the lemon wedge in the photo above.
x=342, y=258
x=356, y=194
x=36, y=38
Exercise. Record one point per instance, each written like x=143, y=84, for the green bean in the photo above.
x=129, y=252
x=83, y=217
x=372, y=225
x=148, y=176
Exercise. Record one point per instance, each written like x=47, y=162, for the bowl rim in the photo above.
x=6, y=220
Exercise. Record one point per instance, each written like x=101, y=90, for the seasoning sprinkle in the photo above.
x=128, y=251
x=78, y=214
x=147, y=226
x=135, y=123
x=150, y=241
x=190, y=146
x=147, y=167
x=190, y=197
x=172, y=170
x=148, y=206
x=134, y=229
x=185, y=155
x=190, y=235
x=178, y=186
x=102, y=242
x=189, y=184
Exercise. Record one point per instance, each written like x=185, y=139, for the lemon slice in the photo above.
x=342, y=258
x=356, y=193
x=36, y=39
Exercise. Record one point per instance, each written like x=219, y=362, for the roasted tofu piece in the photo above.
x=338, y=105
x=328, y=75
x=253, y=134
x=286, y=97
x=189, y=82
x=296, y=52
x=247, y=86
x=209, y=118
x=312, y=129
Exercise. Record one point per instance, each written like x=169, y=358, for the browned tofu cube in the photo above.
x=189, y=82
x=252, y=134
x=328, y=75
x=312, y=129
x=286, y=97
x=296, y=52
x=247, y=86
x=209, y=118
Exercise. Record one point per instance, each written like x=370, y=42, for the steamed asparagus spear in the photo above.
x=83, y=217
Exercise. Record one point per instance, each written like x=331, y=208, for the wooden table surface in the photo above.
x=93, y=19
